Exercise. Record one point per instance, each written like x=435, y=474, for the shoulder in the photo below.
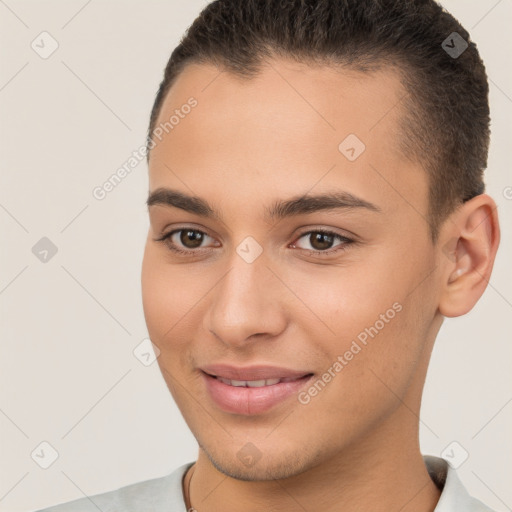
x=155, y=495
x=454, y=496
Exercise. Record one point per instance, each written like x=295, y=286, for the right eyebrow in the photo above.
x=168, y=197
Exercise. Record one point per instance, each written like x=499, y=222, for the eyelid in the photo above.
x=323, y=229
x=191, y=227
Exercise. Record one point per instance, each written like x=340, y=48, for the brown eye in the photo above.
x=321, y=241
x=186, y=241
x=191, y=238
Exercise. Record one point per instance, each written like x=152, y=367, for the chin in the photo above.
x=261, y=468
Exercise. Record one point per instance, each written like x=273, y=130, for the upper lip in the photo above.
x=256, y=372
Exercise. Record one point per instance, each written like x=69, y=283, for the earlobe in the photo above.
x=473, y=234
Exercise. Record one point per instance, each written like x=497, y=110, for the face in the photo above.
x=255, y=280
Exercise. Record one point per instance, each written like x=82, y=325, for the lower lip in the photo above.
x=249, y=401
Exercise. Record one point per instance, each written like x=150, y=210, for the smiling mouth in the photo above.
x=257, y=395
x=258, y=383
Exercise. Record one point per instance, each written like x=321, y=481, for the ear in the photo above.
x=468, y=245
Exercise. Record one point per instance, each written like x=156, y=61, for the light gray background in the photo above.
x=67, y=373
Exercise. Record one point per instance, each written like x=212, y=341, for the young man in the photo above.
x=316, y=210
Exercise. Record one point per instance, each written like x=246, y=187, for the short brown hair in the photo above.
x=446, y=117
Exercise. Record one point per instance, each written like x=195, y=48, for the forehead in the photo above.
x=290, y=128
x=307, y=97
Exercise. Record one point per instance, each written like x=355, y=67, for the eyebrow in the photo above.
x=298, y=205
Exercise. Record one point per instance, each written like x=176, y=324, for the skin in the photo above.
x=247, y=144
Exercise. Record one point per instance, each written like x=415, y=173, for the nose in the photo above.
x=247, y=304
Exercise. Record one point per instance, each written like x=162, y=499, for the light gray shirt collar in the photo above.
x=165, y=494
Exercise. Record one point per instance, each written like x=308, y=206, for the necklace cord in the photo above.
x=187, y=497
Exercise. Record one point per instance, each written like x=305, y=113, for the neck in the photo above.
x=385, y=472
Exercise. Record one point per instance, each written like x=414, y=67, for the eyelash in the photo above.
x=341, y=247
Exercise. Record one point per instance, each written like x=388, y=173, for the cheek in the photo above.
x=346, y=301
x=165, y=302
x=152, y=294
x=366, y=314
x=368, y=367
x=164, y=296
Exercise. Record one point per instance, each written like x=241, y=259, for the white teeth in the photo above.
x=271, y=382
x=250, y=383
x=256, y=383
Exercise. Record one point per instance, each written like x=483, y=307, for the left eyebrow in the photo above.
x=306, y=204
x=298, y=205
